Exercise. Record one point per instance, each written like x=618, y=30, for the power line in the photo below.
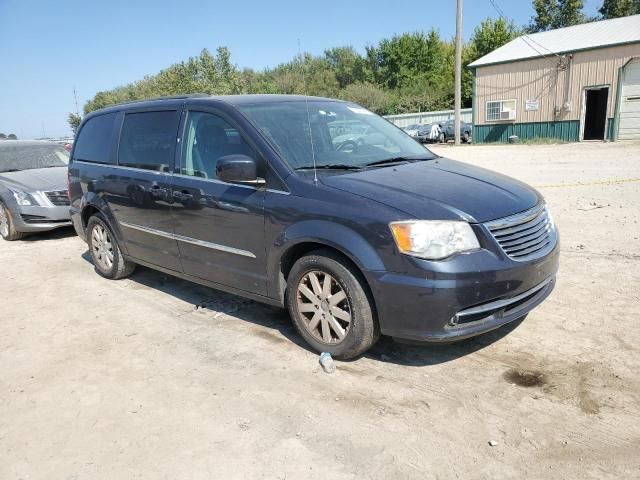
x=525, y=36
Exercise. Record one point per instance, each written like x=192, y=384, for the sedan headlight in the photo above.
x=433, y=240
x=23, y=198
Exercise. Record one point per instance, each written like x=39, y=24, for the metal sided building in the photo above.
x=572, y=84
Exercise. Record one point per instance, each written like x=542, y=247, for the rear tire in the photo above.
x=466, y=137
x=106, y=255
x=336, y=317
x=442, y=138
x=7, y=227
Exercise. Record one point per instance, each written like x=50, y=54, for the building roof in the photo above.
x=563, y=40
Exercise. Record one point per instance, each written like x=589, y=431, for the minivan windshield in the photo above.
x=17, y=157
x=338, y=134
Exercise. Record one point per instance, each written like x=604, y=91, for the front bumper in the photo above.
x=467, y=295
x=39, y=218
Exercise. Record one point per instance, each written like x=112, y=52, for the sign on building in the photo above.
x=531, y=105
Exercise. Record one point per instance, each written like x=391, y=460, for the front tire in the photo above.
x=7, y=227
x=442, y=138
x=330, y=307
x=108, y=260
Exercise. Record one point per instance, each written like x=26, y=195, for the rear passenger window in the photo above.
x=95, y=139
x=148, y=140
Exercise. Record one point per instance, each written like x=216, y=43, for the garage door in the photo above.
x=629, y=126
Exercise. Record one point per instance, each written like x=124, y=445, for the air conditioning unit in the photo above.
x=511, y=115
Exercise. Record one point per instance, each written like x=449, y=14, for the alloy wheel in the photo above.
x=324, y=307
x=102, y=247
x=4, y=222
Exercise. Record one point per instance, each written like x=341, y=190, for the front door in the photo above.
x=139, y=188
x=219, y=226
x=595, y=113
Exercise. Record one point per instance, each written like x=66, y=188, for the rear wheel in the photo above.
x=105, y=252
x=466, y=137
x=7, y=228
x=330, y=306
x=441, y=138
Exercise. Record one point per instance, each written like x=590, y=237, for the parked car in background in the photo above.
x=429, y=133
x=448, y=131
x=354, y=135
x=33, y=188
x=250, y=194
x=411, y=130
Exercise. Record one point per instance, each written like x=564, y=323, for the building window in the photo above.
x=501, y=110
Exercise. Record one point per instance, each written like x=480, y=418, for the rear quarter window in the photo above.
x=148, y=140
x=95, y=139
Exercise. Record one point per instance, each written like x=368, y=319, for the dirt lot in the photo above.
x=153, y=377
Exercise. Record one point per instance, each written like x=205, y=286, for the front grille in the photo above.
x=58, y=197
x=36, y=219
x=526, y=235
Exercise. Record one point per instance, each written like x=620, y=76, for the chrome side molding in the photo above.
x=193, y=241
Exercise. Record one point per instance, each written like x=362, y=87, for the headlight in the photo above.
x=23, y=198
x=552, y=223
x=433, y=240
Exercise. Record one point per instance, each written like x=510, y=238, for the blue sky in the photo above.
x=51, y=46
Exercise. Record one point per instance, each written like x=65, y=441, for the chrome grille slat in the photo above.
x=514, y=248
x=544, y=230
x=518, y=228
x=526, y=235
x=521, y=253
x=58, y=197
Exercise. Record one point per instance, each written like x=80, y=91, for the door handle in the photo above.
x=182, y=196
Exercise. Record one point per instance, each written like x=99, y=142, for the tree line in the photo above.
x=410, y=72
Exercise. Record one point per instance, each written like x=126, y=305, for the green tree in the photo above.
x=3, y=136
x=348, y=66
x=404, y=59
x=368, y=95
x=74, y=122
x=488, y=36
x=12, y=136
x=552, y=14
x=619, y=8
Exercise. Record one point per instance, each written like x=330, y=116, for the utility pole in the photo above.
x=458, y=75
x=75, y=98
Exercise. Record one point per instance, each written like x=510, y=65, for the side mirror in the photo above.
x=238, y=168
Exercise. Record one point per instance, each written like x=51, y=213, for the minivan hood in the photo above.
x=440, y=189
x=37, y=179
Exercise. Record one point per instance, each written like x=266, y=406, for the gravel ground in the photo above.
x=153, y=377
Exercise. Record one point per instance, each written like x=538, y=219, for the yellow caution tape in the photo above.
x=585, y=184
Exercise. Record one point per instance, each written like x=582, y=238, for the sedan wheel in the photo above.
x=323, y=304
x=102, y=247
x=4, y=222
x=7, y=227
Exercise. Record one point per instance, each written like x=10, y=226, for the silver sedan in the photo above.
x=33, y=187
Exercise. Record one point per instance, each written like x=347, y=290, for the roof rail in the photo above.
x=166, y=97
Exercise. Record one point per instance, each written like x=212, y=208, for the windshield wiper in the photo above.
x=395, y=161
x=331, y=166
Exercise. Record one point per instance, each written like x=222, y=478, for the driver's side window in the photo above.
x=209, y=137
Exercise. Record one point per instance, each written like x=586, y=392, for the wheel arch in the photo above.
x=92, y=204
x=303, y=238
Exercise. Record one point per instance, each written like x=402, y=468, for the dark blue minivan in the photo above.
x=315, y=204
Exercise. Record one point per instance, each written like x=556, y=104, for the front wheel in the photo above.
x=7, y=228
x=441, y=138
x=105, y=253
x=329, y=305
